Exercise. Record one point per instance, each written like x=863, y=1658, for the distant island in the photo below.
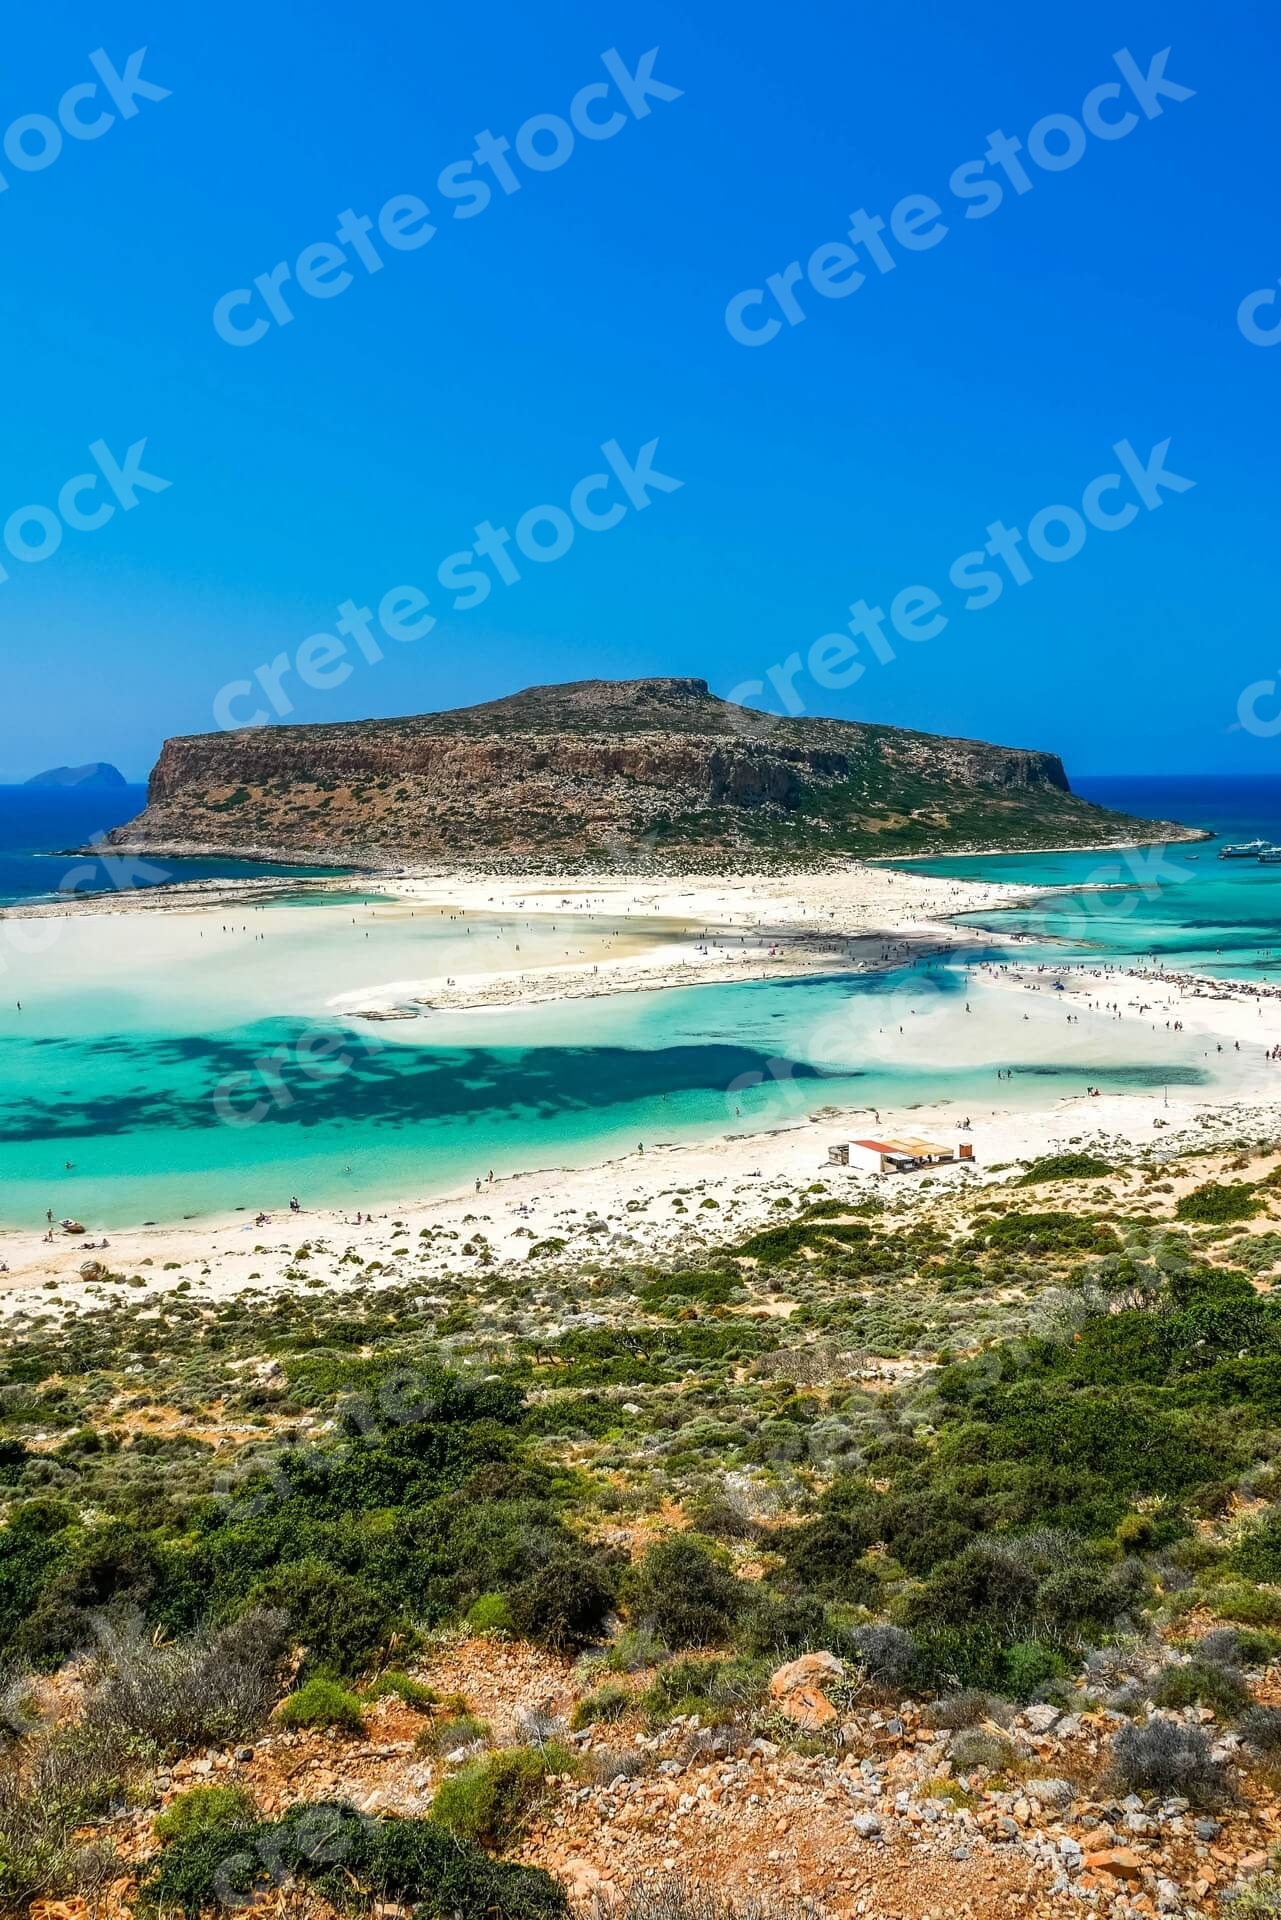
x=95, y=776
x=610, y=771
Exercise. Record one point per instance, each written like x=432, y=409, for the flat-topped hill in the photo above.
x=608, y=770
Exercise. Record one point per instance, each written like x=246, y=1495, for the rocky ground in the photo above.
x=871, y=1817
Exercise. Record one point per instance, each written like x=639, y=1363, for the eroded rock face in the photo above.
x=610, y=770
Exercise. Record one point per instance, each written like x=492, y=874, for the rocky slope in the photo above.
x=606, y=770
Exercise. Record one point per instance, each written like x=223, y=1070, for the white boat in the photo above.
x=1247, y=850
x=1270, y=857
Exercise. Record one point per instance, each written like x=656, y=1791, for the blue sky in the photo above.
x=478, y=375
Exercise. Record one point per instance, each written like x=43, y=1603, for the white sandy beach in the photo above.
x=593, y=937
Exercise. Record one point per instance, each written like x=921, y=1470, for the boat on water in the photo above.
x=1246, y=850
x=1270, y=857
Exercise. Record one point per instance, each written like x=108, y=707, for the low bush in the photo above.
x=491, y=1613
x=1030, y=1666
x=1166, y=1758
x=211, y=1687
x=1065, y=1166
x=1232, y=1647
x=974, y=1750
x=1215, y=1205
x=600, y=1765
x=635, y=1647
x=205, y=1810
x=1260, y=1728
x=448, y=1735
x=322, y=1703
x=714, y=1689
x=782, y=1623
x=490, y=1801
x=685, y=1592
x=607, y=1703
x=887, y=1655
x=696, y=1900
x=48, y=1790
x=354, y=1862
x=1259, y=1895
x=565, y=1603
x=399, y=1686
x=338, y=1619
x=537, y=1728
x=965, y=1709
x=717, y=1514
x=1203, y=1683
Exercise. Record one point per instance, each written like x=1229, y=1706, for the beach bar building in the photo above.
x=896, y=1156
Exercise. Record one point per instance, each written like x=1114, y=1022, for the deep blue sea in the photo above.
x=38, y=824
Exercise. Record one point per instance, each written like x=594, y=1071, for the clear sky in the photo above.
x=852, y=455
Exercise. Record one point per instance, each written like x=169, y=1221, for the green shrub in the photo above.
x=685, y=1592
x=352, y=1861
x=1216, y=1205
x=717, y=1690
x=340, y=1622
x=1257, y=1553
x=401, y=1687
x=1252, y=1606
x=491, y=1613
x=205, y=1810
x=713, y=1512
x=1065, y=1166
x=1136, y=1533
x=825, y=1555
x=1029, y=1665
x=782, y=1623
x=1045, y=1233
x=607, y=1703
x=321, y=1703
x=491, y=1800
x=565, y=1603
x=461, y=1729
x=1204, y=1683
x=635, y=1647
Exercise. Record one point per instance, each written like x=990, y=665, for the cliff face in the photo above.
x=596, y=769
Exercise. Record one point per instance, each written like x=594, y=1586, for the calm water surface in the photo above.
x=205, y=1090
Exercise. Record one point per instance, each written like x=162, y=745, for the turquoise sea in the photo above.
x=135, y=1091
x=1181, y=906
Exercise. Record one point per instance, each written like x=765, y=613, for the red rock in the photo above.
x=1120, y=1862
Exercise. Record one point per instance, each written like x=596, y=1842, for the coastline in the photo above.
x=622, y=1210
x=684, y=931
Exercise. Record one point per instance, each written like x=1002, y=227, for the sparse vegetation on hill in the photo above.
x=603, y=772
x=969, y=1451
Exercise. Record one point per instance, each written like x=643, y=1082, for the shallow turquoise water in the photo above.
x=205, y=1086
x=1181, y=904
x=160, y=1123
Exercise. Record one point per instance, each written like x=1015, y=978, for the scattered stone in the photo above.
x=1051, y=1793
